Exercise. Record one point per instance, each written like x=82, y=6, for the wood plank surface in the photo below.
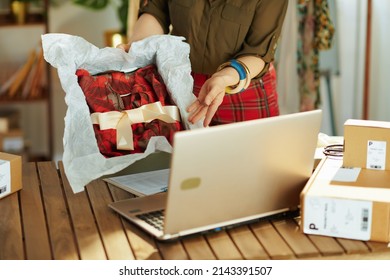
x=172, y=250
x=297, y=240
x=198, y=248
x=60, y=230
x=328, y=246
x=353, y=246
x=35, y=230
x=114, y=238
x=377, y=246
x=223, y=247
x=271, y=240
x=247, y=243
x=87, y=236
x=11, y=239
x=143, y=245
x=46, y=220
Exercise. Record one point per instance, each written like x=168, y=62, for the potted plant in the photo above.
x=122, y=7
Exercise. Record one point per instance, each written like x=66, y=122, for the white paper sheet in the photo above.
x=144, y=183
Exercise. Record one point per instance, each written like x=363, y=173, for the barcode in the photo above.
x=3, y=189
x=364, y=225
x=348, y=167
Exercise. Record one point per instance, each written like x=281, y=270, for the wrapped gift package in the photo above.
x=109, y=125
x=119, y=94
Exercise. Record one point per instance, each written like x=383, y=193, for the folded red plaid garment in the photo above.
x=118, y=91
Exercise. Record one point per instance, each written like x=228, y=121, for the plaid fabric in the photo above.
x=117, y=91
x=259, y=100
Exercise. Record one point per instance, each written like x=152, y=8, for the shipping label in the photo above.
x=336, y=217
x=376, y=155
x=5, y=178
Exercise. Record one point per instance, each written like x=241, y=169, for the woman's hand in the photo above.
x=210, y=97
x=213, y=90
x=125, y=47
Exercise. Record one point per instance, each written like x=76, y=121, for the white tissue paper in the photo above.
x=82, y=160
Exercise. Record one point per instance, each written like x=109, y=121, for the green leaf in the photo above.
x=122, y=15
x=92, y=4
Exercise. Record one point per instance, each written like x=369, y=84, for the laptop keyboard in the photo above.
x=155, y=218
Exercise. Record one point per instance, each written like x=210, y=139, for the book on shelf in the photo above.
x=142, y=184
x=27, y=86
x=36, y=85
x=28, y=80
x=6, y=82
x=22, y=74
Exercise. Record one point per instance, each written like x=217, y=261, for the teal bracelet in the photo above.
x=243, y=74
x=248, y=74
x=239, y=68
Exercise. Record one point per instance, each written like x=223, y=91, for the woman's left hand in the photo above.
x=210, y=97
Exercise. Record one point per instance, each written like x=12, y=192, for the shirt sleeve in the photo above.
x=265, y=30
x=159, y=9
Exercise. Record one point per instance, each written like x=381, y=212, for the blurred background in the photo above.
x=353, y=72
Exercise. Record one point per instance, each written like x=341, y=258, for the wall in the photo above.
x=347, y=85
x=380, y=68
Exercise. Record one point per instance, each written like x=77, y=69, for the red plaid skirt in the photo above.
x=117, y=91
x=259, y=100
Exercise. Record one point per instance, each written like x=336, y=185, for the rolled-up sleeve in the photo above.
x=265, y=30
x=159, y=9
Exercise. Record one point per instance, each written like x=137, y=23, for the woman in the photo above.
x=232, y=48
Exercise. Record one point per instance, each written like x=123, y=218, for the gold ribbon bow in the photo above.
x=122, y=121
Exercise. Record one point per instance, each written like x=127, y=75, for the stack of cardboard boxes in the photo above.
x=11, y=135
x=11, y=149
x=10, y=174
x=349, y=197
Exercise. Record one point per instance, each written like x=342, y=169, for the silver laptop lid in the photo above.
x=237, y=172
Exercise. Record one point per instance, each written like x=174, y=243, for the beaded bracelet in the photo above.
x=243, y=73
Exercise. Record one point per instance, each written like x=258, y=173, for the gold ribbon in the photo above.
x=122, y=121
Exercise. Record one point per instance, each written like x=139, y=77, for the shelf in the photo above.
x=9, y=20
x=43, y=96
x=25, y=81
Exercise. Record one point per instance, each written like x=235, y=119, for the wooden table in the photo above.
x=46, y=220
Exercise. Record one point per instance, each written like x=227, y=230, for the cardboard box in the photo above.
x=9, y=119
x=367, y=144
x=345, y=202
x=12, y=142
x=10, y=174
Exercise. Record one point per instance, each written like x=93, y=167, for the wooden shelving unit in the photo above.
x=33, y=95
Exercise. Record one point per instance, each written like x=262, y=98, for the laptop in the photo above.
x=230, y=174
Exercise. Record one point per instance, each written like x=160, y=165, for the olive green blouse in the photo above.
x=219, y=30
